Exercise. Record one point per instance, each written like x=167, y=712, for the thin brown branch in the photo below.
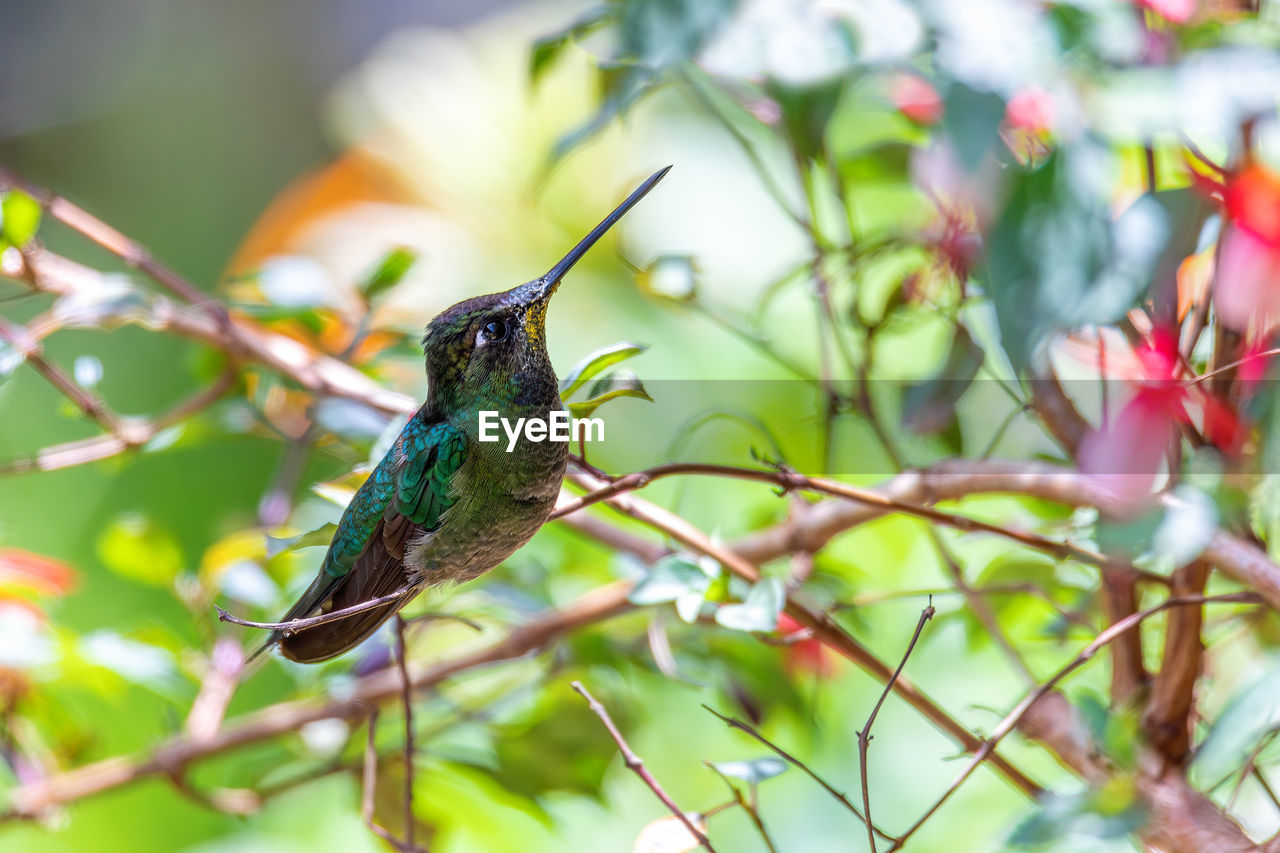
x=1011, y=720
x=790, y=480
x=130, y=251
x=33, y=799
x=406, y=706
x=82, y=452
x=864, y=736
x=635, y=764
x=955, y=480
x=1119, y=601
x=1167, y=719
x=293, y=625
x=824, y=628
x=980, y=607
x=839, y=796
x=90, y=404
x=244, y=340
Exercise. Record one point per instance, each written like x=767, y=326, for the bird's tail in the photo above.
x=320, y=591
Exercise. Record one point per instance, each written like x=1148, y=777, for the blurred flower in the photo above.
x=916, y=98
x=804, y=653
x=1126, y=454
x=1174, y=11
x=25, y=641
x=1030, y=109
x=1248, y=290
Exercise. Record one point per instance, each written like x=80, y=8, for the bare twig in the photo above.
x=1011, y=720
x=823, y=626
x=636, y=765
x=293, y=625
x=34, y=798
x=839, y=796
x=406, y=701
x=790, y=480
x=864, y=736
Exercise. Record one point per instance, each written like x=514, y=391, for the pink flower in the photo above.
x=1248, y=290
x=1030, y=110
x=1125, y=455
x=1173, y=11
x=916, y=99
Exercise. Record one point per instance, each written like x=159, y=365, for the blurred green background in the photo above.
x=274, y=152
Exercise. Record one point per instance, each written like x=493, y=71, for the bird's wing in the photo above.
x=405, y=496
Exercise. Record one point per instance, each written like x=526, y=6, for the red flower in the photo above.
x=916, y=99
x=1126, y=454
x=803, y=652
x=1248, y=290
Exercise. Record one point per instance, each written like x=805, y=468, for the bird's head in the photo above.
x=495, y=345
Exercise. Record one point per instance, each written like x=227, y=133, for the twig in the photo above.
x=790, y=480
x=839, y=796
x=294, y=625
x=751, y=807
x=980, y=606
x=864, y=736
x=139, y=432
x=636, y=764
x=34, y=798
x=823, y=626
x=1099, y=642
x=406, y=697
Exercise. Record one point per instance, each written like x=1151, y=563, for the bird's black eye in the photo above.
x=493, y=331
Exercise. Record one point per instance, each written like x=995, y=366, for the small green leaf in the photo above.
x=21, y=217
x=621, y=383
x=668, y=579
x=322, y=535
x=1249, y=716
x=595, y=362
x=391, y=269
x=752, y=771
x=758, y=611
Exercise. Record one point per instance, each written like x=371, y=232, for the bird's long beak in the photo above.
x=549, y=282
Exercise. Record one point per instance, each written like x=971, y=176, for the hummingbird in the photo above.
x=442, y=506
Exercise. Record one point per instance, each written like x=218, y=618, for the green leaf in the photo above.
x=595, y=362
x=669, y=578
x=758, y=611
x=972, y=119
x=621, y=383
x=322, y=535
x=1250, y=715
x=21, y=217
x=1110, y=811
x=390, y=270
x=135, y=547
x=1056, y=259
x=752, y=771
x=547, y=49
x=930, y=406
x=807, y=110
